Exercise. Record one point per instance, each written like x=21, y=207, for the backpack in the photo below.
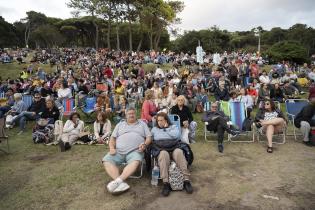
x=176, y=177
x=247, y=124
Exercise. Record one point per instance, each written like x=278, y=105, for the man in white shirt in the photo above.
x=158, y=72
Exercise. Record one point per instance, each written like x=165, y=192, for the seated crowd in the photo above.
x=121, y=88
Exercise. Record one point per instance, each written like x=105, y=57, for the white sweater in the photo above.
x=70, y=129
x=106, y=129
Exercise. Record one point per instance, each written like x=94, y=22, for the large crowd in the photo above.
x=139, y=102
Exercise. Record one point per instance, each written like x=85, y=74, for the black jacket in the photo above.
x=37, y=106
x=184, y=114
x=54, y=113
x=221, y=94
x=306, y=114
x=208, y=116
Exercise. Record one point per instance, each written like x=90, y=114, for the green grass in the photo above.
x=35, y=176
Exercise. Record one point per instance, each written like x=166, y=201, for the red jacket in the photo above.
x=108, y=72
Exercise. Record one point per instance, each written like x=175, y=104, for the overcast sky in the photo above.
x=232, y=15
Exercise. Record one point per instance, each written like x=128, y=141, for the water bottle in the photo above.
x=155, y=175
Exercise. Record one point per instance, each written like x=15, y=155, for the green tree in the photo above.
x=288, y=51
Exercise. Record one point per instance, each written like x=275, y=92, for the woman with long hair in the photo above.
x=270, y=120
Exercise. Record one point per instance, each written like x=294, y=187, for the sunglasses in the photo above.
x=267, y=103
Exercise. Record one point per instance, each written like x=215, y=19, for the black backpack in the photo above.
x=247, y=124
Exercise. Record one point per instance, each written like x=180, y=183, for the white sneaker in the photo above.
x=112, y=186
x=121, y=188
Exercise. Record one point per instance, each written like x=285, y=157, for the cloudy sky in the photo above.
x=232, y=15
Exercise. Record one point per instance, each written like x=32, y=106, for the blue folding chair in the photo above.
x=67, y=107
x=175, y=120
x=28, y=100
x=293, y=107
x=88, y=108
x=238, y=116
x=207, y=106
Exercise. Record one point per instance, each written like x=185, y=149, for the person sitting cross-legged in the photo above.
x=128, y=141
x=218, y=122
x=71, y=131
x=166, y=138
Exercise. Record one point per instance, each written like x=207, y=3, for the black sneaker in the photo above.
x=258, y=125
x=166, y=189
x=188, y=187
x=308, y=143
x=220, y=148
x=234, y=133
x=62, y=146
x=67, y=146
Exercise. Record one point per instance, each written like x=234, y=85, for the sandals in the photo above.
x=269, y=150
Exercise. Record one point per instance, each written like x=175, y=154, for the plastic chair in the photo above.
x=293, y=107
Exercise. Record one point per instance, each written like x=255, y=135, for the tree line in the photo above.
x=114, y=24
x=143, y=25
x=217, y=40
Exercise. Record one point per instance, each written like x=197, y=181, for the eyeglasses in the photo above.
x=267, y=104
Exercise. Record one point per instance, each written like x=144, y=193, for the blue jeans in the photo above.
x=23, y=117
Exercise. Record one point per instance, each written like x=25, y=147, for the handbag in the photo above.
x=84, y=136
x=176, y=177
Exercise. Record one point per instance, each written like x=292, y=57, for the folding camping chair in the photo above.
x=4, y=136
x=207, y=108
x=28, y=100
x=282, y=134
x=293, y=107
x=67, y=107
x=225, y=108
x=207, y=133
x=175, y=120
x=88, y=108
x=238, y=116
x=102, y=87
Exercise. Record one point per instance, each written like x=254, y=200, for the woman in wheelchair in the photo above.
x=166, y=145
x=270, y=121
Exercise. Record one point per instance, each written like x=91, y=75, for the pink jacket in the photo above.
x=148, y=108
